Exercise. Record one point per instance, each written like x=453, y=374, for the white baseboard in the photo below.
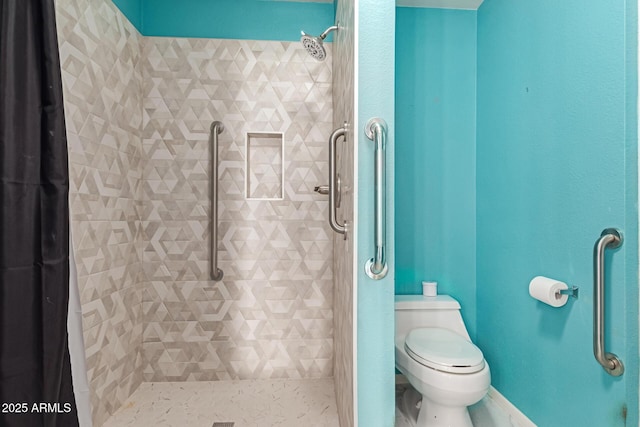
x=517, y=417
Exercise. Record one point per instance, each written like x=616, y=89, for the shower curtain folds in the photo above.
x=34, y=222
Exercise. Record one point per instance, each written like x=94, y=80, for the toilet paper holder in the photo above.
x=571, y=291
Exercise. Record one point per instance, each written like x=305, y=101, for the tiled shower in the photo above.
x=138, y=112
x=100, y=57
x=344, y=103
x=271, y=315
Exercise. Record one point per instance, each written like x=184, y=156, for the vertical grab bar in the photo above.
x=333, y=221
x=376, y=130
x=216, y=128
x=611, y=238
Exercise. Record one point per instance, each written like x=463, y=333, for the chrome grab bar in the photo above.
x=333, y=221
x=376, y=267
x=216, y=128
x=611, y=238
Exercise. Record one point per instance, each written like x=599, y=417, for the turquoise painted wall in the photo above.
x=132, y=9
x=228, y=19
x=375, y=52
x=235, y=19
x=435, y=127
x=556, y=164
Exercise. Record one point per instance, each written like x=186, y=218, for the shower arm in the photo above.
x=327, y=31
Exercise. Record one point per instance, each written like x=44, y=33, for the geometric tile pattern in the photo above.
x=343, y=101
x=102, y=75
x=272, y=314
x=264, y=166
x=137, y=114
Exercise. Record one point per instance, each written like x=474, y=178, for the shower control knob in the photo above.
x=322, y=189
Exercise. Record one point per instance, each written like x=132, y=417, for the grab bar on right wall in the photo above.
x=216, y=128
x=334, y=191
x=611, y=238
x=376, y=130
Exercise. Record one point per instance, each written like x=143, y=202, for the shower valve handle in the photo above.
x=321, y=189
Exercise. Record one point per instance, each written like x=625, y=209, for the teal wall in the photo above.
x=228, y=19
x=132, y=9
x=375, y=298
x=556, y=164
x=517, y=130
x=436, y=154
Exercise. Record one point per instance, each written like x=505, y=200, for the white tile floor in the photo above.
x=262, y=403
x=285, y=403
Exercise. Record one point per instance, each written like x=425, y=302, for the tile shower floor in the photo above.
x=248, y=403
x=257, y=403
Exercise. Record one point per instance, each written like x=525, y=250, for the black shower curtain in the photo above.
x=35, y=372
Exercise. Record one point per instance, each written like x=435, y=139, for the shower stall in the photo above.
x=202, y=251
x=270, y=314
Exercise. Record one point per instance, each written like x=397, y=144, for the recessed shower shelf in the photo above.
x=264, y=170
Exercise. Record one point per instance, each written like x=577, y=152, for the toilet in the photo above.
x=436, y=355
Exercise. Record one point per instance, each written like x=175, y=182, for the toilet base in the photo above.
x=410, y=404
x=433, y=414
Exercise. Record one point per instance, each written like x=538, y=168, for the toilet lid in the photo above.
x=443, y=350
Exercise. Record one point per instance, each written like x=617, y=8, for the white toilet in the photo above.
x=434, y=352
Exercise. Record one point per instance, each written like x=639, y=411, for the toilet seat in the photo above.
x=443, y=350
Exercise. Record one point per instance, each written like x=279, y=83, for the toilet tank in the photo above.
x=417, y=311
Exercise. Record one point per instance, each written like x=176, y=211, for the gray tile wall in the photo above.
x=102, y=75
x=343, y=100
x=138, y=112
x=271, y=316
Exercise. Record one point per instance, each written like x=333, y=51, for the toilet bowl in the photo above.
x=434, y=352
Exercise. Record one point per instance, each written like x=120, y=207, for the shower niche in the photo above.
x=264, y=169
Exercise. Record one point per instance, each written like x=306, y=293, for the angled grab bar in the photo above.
x=216, y=128
x=376, y=130
x=610, y=238
x=333, y=221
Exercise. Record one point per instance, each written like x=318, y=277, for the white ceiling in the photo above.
x=439, y=4
x=442, y=4
x=305, y=1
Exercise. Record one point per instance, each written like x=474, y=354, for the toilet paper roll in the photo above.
x=548, y=291
x=430, y=289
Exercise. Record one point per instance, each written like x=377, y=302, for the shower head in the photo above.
x=314, y=45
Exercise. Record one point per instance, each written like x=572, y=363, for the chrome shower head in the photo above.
x=314, y=45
